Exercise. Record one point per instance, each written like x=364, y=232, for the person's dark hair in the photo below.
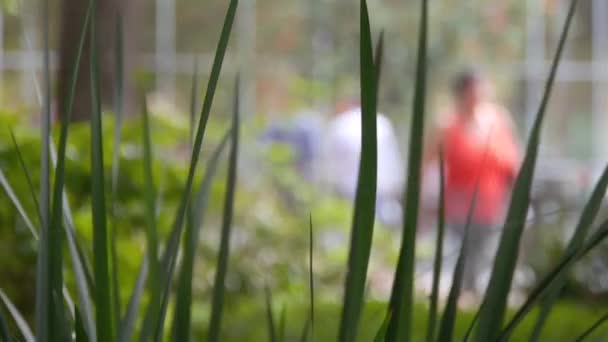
x=464, y=79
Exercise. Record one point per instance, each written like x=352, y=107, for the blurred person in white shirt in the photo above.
x=341, y=155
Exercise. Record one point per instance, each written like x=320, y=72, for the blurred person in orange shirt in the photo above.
x=480, y=154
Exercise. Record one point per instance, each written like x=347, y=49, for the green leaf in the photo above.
x=127, y=324
x=282, y=323
x=4, y=332
x=182, y=321
x=79, y=329
x=45, y=326
x=28, y=177
x=430, y=334
x=151, y=229
x=305, y=331
x=15, y=200
x=26, y=332
x=170, y=253
x=119, y=114
x=587, y=333
x=101, y=250
x=558, y=271
x=193, y=99
x=448, y=321
x=311, y=282
x=272, y=332
x=217, y=303
x=587, y=218
x=365, y=198
x=381, y=334
x=60, y=215
x=379, y=59
x=495, y=301
x=402, y=295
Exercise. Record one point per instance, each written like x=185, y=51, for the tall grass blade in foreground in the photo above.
x=80, y=265
x=311, y=280
x=170, y=253
x=101, y=250
x=4, y=332
x=593, y=328
x=193, y=98
x=59, y=206
x=44, y=287
x=127, y=324
x=272, y=331
x=587, y=218
x=118, y=118
x=17, y=204
x=183, y=307
x=448, y=321
x=282, y=323
x=430, y=334
x=80, y=335
x=365, y=198
x=151, y=229
x=26, y=332
x=28, y=176
x=305, y=331
x=494, y=305
x=217, y=303
x=381, y=334
x=378, y=60
x=547, y=281
x=402, y=295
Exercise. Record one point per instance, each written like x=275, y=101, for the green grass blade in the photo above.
x=311, y=279
x=471, y=327
x=119, y=114
x=272, y=332
x=495, y=301
x=193, y=99
x=151, y=229
x=448, y=321
x=79, y=330
x=5, y=334
x=127, y=324
x=183, y=307
x=585, y=222
x=170, y=254
x=558, y=271
x=27, y=174
x=26, y=332
x=305, y=331
x=282, y=323
x=430, y=334
x=379, y=59
x=58, y=216
x=597, y=324
x=44, y=309
x=402, y=295
x=17, y=203
x=101, y=250
x=217, y=303
x=365, y=199
x=381, y=334
x=78, y=264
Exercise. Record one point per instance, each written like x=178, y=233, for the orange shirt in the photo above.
x=480, y=150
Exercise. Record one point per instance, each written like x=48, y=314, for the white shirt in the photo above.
x=342, y=150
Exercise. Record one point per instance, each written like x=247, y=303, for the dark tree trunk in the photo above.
x=73, y=14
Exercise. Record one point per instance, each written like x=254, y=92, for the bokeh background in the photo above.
x=296, y=57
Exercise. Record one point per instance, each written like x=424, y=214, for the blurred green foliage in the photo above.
x=270, y=241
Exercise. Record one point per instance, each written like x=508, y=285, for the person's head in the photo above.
x=468, y=88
